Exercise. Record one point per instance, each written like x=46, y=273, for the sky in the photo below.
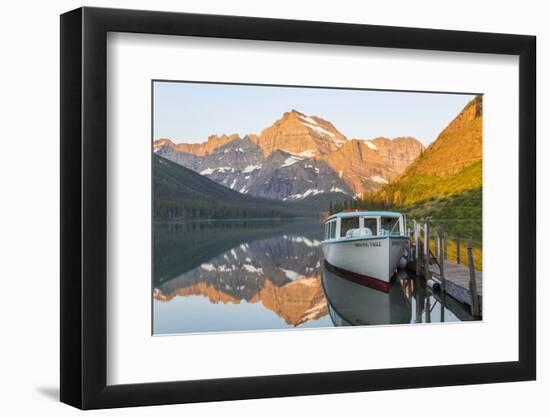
x=190, y=112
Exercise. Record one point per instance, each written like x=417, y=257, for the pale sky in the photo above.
x=190, y=112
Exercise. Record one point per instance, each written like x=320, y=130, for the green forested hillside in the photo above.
x=180, y=193
x=451, y=165
x=458, y=215
x=411, y=190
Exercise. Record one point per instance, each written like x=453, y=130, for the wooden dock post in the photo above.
x=442, y=272
x=419, y=258
x=473, y=283
x=409, y=252
x=417, y=248
x=461, y=282
x=412, y=260
x=427, y=249
x=437, y=244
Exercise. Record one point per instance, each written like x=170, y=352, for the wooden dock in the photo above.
x=463, y=283
x=457, y=282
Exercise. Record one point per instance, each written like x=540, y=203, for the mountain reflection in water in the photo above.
x=265, y=275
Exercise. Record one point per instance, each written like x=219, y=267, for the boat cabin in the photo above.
x=362, y=223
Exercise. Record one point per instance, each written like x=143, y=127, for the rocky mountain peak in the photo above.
x=198, y=149
x=298, y=156
x=360, y=166
x=297, y=132
x=159, y=143
x=397, y=153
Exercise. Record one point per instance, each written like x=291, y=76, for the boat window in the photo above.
x=371, y=224
x=389, y=224
x=348, y=223
x=332, y=230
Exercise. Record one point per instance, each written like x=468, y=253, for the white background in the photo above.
x=29, y=214
x=134, y=356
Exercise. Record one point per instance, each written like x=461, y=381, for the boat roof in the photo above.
x=365, y=213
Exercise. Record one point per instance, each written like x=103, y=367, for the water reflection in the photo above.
x=352, y=303
x=262, y=275
x=409, y=300
x=257, y=267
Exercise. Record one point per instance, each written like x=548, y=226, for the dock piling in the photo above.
x=461, y=281
x=442, y=271
x=427, y=249
x=437, y=245
x=473, y=283
x=417, y=248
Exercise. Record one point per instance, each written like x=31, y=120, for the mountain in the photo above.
x=360, y=167
x=198, y=149
x=297, y=133
x=283, y=175
x=451, y=165
x=397, y=153
x=296, y=158
x=180, y=193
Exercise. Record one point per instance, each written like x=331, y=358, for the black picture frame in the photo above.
x=84, y=207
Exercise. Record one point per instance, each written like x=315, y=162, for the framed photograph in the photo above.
x=256, y=207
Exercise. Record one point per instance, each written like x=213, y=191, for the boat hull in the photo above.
x=371, y=259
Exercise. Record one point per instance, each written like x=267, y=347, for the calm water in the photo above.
x=262, y=275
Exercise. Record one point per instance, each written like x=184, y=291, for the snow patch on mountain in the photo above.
x=307, y=154
x=312, y=124
x=312, y=192
x=371, y=145
x=291, y=161
x=207, y=171
x=379, y=179
x=210, y=171
x=208, y=267
x=252, y=268
x=337, y=190
x=321, y=130
x=309, y=192
x=251, y=168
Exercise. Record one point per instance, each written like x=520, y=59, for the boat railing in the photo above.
x=384, y=232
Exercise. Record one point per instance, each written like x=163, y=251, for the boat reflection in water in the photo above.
x=352, y=303
x=408, y=300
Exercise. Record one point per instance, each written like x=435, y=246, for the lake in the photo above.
x=246, y=275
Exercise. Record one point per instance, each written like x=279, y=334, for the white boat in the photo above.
x=365, y=245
